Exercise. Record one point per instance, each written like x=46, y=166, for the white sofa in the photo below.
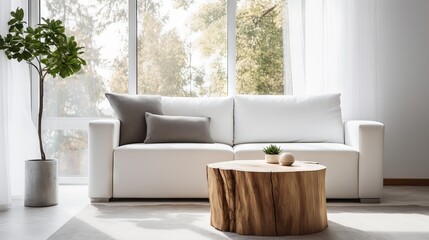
x=309, y=127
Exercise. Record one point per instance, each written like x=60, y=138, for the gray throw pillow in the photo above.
x=177, y=129
x=130, y=110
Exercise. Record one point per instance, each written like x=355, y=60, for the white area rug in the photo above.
x=191, y=220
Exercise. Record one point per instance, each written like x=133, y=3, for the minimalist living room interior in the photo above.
x=217, y=119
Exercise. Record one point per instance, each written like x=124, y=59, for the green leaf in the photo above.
x=17, y=56
x=2, y=43
x=58, y=54
x=19, y=14
x=11, y=22
x=272, y=149
x=26, y=55
x=30, y=30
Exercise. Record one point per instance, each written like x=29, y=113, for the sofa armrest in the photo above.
x=103, y=138
x=368, y=138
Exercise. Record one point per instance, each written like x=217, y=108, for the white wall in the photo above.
x=403, y=86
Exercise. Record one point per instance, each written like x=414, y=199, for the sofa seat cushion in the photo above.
x=165, y=170
x=341, y=162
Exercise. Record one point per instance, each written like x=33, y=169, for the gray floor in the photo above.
x=21, y=223
x=404, y=213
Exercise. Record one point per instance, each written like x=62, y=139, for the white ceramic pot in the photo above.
x=286, y=159
x=272, y=158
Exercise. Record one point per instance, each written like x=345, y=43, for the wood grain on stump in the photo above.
x=252, y=197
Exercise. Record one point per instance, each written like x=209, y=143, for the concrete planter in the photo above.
x=41, y=185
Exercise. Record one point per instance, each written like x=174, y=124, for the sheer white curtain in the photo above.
x=334, y=49
x=18, y=136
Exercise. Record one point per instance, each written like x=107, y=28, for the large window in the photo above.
x=104, y=35
x=260, y=47
x=182, y=47
x=163, y=47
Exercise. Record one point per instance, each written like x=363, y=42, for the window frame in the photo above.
x=82, y=123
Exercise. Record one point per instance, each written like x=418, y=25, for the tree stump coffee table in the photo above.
x=253, y=197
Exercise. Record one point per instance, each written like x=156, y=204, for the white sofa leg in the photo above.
x=370, y=200
x=100, y=200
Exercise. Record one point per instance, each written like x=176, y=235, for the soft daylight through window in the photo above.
x=182, y=50
x=260, y=46
x=104, y=35
x=182, y=47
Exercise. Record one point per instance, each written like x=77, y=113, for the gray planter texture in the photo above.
x=41, y=185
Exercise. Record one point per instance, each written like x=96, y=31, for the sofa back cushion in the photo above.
x=219, y=109
x=260, y=119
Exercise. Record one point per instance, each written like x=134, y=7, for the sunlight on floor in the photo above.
x=383, y=222
x=403, y=214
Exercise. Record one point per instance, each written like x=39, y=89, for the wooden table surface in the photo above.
x=253, y=197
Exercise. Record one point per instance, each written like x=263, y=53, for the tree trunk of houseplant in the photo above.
x=41, y=185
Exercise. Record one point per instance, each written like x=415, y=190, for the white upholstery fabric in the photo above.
x=219, y=109
x=340, y=160
x=103, y=138
x=165, y=170
x=288, y=119
x=367, y=137
x=312, y=127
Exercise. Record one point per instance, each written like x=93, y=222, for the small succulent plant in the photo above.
x=272, y=150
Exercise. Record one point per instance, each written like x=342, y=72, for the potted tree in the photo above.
x=48, y=50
